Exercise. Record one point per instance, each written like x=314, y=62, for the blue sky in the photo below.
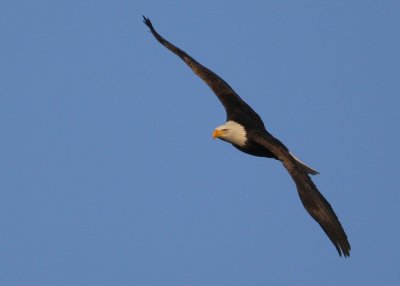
x=109, y=172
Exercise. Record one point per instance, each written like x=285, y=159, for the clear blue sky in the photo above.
x=109, y=174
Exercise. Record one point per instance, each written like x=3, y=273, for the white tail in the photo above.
x=303, y=166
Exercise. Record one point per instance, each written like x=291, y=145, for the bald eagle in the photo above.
x=245, y=130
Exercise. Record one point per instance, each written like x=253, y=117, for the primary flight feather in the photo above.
x=245, y=130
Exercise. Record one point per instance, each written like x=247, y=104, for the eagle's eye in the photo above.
x=225, y=130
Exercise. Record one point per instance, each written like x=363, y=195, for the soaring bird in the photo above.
x=245, y=130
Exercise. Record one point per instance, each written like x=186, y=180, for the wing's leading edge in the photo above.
x=232, y=102
x=314, y=202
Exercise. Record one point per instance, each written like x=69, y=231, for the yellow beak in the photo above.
x=217, y=133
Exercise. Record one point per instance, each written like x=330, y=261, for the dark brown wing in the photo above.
x=315, y=204
x=233, y=104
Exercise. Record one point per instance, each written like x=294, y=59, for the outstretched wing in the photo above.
x=233, y=104
x=315, y=204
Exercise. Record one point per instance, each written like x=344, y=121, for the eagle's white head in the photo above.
x=231, y=132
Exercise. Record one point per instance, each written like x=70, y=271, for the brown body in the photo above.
x=259, y=142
